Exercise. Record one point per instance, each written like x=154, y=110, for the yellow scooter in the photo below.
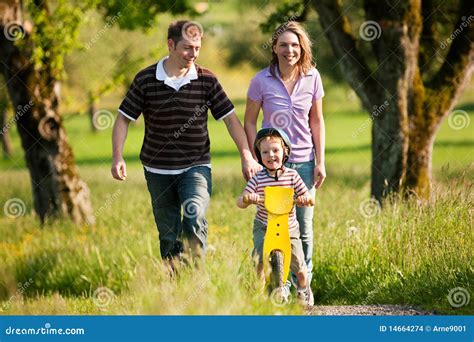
x=279, y=202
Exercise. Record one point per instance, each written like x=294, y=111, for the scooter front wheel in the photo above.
x=276, y=263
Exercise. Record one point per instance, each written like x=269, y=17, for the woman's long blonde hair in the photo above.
x=305, y=63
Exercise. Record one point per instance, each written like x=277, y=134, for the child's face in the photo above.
x=271, y=151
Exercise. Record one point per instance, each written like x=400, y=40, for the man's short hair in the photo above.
x=185, y=29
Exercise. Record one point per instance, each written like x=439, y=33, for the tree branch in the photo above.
x=337, y=29
x=429, y=40
x=448, y=83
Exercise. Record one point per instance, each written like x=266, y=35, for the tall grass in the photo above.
x=407, y=253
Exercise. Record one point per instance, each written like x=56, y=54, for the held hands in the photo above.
x=304, y=201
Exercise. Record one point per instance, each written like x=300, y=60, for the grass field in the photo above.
x=406, y=254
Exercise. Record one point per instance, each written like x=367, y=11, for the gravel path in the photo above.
x=367, y=310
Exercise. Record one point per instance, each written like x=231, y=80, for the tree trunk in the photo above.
x=57, y=188
x=92, y=110
x=388, y=154
x=6, y=146
x=418, y=175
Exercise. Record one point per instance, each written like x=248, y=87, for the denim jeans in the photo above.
x=190, y=191
x=304, y=215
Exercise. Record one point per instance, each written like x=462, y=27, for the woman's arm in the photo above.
x=252, y=109
x=318, y=131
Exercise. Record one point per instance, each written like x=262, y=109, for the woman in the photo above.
x=290, y=91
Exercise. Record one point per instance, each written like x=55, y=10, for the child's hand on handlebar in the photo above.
x=304, y=201
x=252, y=198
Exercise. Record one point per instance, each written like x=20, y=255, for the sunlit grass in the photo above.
x=406, y=254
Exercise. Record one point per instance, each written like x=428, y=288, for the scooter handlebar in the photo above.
x=246, y=200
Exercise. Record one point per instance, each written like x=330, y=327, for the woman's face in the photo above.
x=287, y=49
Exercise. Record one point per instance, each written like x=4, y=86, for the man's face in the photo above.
x=185, y=52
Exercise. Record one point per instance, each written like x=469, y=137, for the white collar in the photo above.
x=176, y=83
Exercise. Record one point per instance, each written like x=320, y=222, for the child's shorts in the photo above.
x=297, y=256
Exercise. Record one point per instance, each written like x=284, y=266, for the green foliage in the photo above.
x=122, y=74
x=56, y=27
x=287, y=11
x=245, y=44
x=55, y=33
x=142, y=14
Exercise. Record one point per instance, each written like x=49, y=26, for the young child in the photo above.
x=272, y=148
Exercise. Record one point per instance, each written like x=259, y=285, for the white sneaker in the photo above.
x=303, y=296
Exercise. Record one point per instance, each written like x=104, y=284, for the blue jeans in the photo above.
x=304, y=215
x=191, y=191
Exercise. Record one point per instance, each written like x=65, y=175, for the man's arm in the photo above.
x=236, y=131
x=119, y=135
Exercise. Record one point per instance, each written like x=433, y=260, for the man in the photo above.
x=174, y=96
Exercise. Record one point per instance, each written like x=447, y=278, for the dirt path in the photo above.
x=367, y=310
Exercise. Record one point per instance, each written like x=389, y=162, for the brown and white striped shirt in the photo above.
x=176, y=134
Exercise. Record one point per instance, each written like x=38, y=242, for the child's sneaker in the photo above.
x=303, y=296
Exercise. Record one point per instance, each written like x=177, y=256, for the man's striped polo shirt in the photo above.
x=176, y=134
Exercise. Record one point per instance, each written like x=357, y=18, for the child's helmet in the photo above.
x=265, y=132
